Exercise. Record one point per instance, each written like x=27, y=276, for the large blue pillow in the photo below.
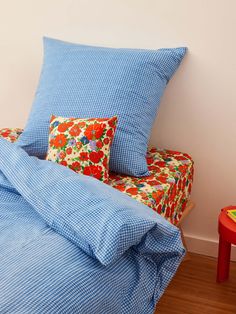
x=85, y=81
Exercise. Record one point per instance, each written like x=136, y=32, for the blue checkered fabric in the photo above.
x=84, y=81
x=71, y=244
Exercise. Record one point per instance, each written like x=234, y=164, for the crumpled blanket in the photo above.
x=72, y=244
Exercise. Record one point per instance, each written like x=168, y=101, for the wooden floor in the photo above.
x=195, y=291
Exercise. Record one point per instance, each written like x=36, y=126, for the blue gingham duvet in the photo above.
x=71, y=244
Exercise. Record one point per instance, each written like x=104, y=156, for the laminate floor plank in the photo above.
x=194, y=289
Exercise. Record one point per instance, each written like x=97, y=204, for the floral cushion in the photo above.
x=166, y=190
x=83, y=145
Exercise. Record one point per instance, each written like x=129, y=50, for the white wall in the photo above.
x=198, y=111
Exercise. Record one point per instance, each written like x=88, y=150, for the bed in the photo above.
x=48, y=268
x=89, y=240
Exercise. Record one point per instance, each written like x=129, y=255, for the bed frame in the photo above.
x=190, y=205
x=187, y=210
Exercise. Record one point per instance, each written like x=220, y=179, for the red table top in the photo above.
x=227, y=227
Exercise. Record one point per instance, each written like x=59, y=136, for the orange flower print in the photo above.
x=62, y=155
x=120, y=187
x=132, y=191
x=100, y=153
x=83, y=156
x=94, y=157
x=112, y=122
x=75, y=166
x=94, y=131
x=150, y=160
x=64, y=126
x=105, y=162
x=106, y=141
x=93, y=171
x=63, y=163
x=69, y=150
x=60, y=141
x=99, y=144
x=75, y=130
x=157, y=195
x=5, y=134
x=110, y=133
x=160, y=164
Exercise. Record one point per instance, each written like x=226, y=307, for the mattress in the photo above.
x=166, y=190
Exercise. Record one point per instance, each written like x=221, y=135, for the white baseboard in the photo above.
x=205, y=246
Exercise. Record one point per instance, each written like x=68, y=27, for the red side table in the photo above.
x=227, y=236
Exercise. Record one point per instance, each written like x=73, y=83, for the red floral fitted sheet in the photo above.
x=166, y=190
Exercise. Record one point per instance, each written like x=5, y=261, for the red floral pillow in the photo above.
x=83, y=145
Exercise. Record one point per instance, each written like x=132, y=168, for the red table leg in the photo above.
x=223, y=260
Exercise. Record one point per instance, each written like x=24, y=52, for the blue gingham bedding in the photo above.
x=71, y=244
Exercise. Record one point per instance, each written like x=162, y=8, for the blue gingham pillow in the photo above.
x=84, y=81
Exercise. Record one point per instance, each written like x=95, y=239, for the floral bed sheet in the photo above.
x=166, y=190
